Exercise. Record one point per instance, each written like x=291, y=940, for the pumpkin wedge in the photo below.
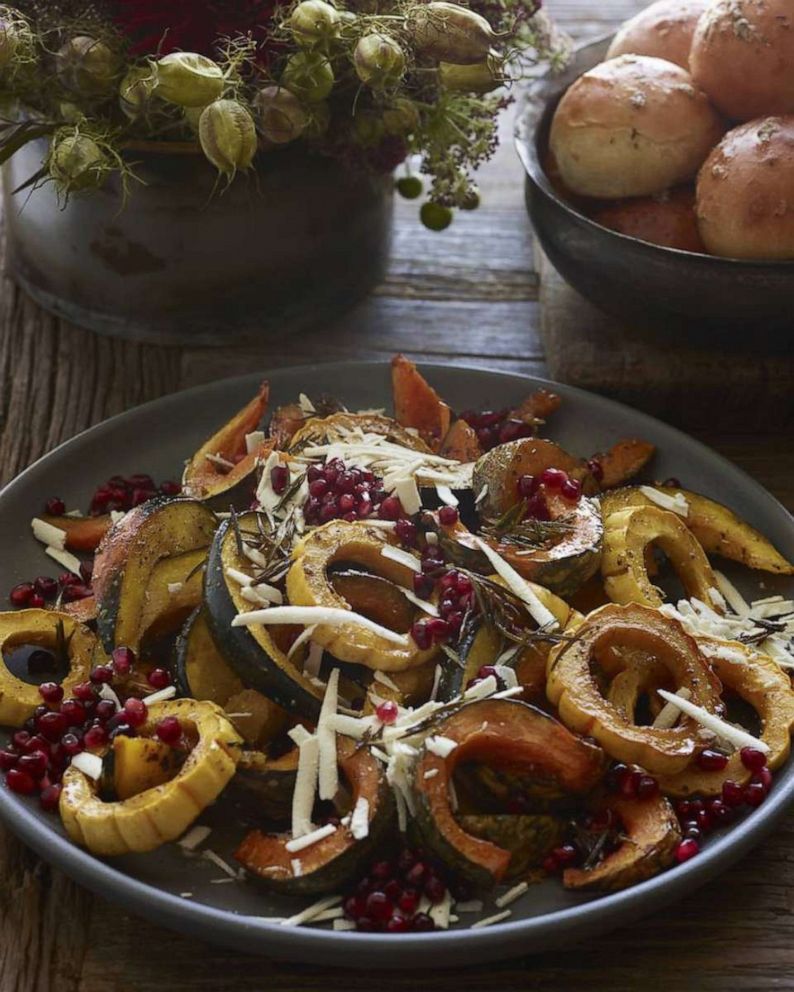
x=623, y=461
x=417, y=404
x=161, y=813
x=527, y=836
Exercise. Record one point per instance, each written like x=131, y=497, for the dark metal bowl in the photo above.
x=680, y=292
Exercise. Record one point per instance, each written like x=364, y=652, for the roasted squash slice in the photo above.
x=718, y=530
x=257, y=654
x=257, y=719
x=628, y=534
x=537, y=407
x=527, y=836
x=173, y=592
x=308, y=584
x=417, y=404
x=223, y=466
x=331, y=863
x=759, y=681
x=460, y=443
x=651, y=833
x=265, y=784
x=623, y=461
x=642, y=677
x=163, y=812
x=19, y=699
x=337, y=427
x=375, y=597
x=82, y=533
x=602, y=645
x=500, y=733
x=129, y=555
x=134, y=764
x=200, y=670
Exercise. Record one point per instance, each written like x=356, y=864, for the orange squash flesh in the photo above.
x=82, y=533
x=460, y=443
x=623, y=461
x=417, y=404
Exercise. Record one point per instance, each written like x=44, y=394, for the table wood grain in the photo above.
x=467, y=295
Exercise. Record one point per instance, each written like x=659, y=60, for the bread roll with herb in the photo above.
x=664, y=30
x=632, y=126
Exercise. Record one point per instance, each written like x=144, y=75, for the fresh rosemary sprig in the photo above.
x=518, y=530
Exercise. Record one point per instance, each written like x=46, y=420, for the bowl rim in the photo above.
x=534, y=104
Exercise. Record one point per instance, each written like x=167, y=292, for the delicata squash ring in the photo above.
x=19, y=699
x=163, y=813
x=758, y=680
x=628, y=533
x=573, y=686
x=308, y=585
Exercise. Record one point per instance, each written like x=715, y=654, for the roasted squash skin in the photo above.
x=652, y=835
x=627, y=536
x=601, y=639
x=265, y=785
x=759, y=681
x=502, y=733
x=164, y=812
x=718, y=530
x=331, y=863
x=417, y=404
x=308, y=584
x=19, y=699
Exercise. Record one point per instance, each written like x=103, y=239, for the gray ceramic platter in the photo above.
x=157, y=438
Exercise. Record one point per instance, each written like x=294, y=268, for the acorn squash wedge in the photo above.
x=337, y=427
x=627, y=536
x=500, y=733
x=417, y=404
x=601, y=646
x=265, y=784
x=53, y=631
x=81, y=533
x=257, y=654
x=718, y=530
x=161, y=813
x=134, y=764
x=172, y=593
x=755, y=678
x=223, y=470
x=308, y=584
x=651, y=834
x=527, y=836
x=329, y=864
x=200, y=670
x=128, y=557
x=623, y=461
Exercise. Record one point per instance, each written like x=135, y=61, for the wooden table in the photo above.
x=467, y=295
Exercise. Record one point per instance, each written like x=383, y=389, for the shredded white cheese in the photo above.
x=359, y=821
x=440, y=746
x=469, y=906
x=401, y=557
x=328, y=772
x=441, y=911
x=174, y=588
x=446, y=495
x=306, y=840
x=669, y=713
x=311, y=912
x=89, y=764
x=509, y=897
x=305, y=785
x=384, y=679
x=194, y=838
x=253, y=441
x=224, y=866
x=408, y=493
x=542, y=616
x=301, y=639
x=732, y=595
x=734, y=735
x=430, y=773
x=54, y=537
x=489, y=921
x=65, y=558
x=162, y=694
x=344, y=925
x=676, y=504
x=314, y=615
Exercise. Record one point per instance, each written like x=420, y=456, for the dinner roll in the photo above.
x=668, y=219
x=632, y=126
x=663, y=30
x=745, y=192
x=743, y=57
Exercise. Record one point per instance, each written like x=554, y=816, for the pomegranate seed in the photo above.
x=387, y=712
x=55, y=506
x=553, y=478
x=692, y=830
x=87, y=571
x=390, y=508
x=421, y=634
x=21, y=594
x=20, y=782
x=630, y=783
x=169, y=730
x=102, y=673
x=732, y=794
x=398, y=924
x=141, y=496
x=36, y=602
x=73, y=712
x=68, y=579
x=686, y=849
x=435, y=889
x=318, y=488
x=764, y=776
x=754, y=794
x=46, y=586
x=20, y=738
x=647, y=787
x=382, y=870
x=616, y=774
x=537, y=507
x=406, y=860
x=170, y=488
x=34, y=764
x=353, y=907
x=718, y=811
x=712, y=761
x=393, y=889
x=448, y=516
x=95, y=737
x=512, y=430
x=50, y=798
x=76, y=591
x=8, y=759
x=366, y=925
x=565, y=854
x=406, y=533
x=51, y=692
x=159, y=678
x=423, y=585
x=105, y=710
x=140, y=481
x=672, y=482
x=550, y=865
x=596, y=469
x=463, y=584
x=487, y=438
x=135, y=712
x=416, y=875
x=329, y=510
x=84, y=691
x=71, y=744
x=279, y=479
x=123, y=659
x=408, y=901
x=752, y=758
x=438, y=629
x=378, y=906
x=422, y=923
x=51, y=725
x=526, y=486
x=38, y=743
x=571, y=490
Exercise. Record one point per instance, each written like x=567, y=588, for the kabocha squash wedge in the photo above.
x=629, y=533
x=560, y=555
x=162, y=813
x=43, y=628
x=223, y=467
x=129, y=554
x=651, y=834
x=257, y=654
x=330, y=863
x=528, y=837
x=602, y=644
x=308, y=584
x=755, y=678
x=718, y=530
x=417, y=404
x=502, y=733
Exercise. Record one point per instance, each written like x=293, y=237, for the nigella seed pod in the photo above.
x=309, y=76
x=76, y=162
x=402, y=117
x=379, y=61
x=451, y=33
x=136, y=90
x=227, y=134
x=188, y=79
x=312, y=22
x=87, y=66
x=15, y=36
x=280, y=115
x=479, y=77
